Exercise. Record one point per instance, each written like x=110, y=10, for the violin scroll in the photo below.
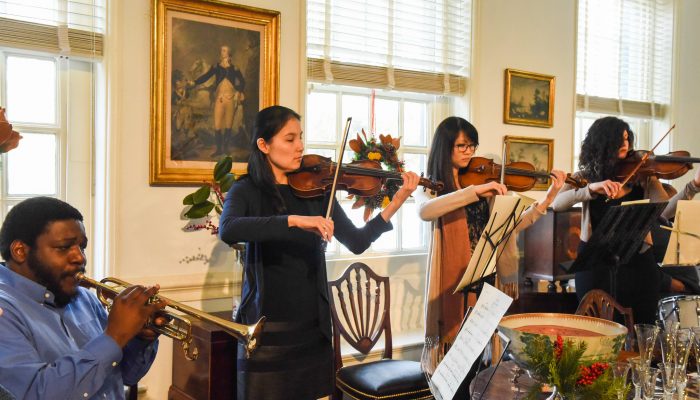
x=431, y=184
x=576, y=181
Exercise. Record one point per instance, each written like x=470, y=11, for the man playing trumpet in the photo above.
x=56, y=339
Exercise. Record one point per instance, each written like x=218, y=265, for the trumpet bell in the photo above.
x=178, y=327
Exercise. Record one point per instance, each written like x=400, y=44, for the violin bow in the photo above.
x=329, y=211
x=503, y=164
x=646, y=156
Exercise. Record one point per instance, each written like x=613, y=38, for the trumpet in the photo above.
x=178, y=327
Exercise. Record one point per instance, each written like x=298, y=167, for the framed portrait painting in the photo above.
x=529, y=98
x=536, y=151
x=214, y=65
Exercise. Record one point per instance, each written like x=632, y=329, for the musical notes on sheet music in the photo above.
x=471, y=340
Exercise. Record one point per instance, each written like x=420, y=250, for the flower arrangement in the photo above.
x=558, y=363
x=210, y=197
x=9, y=138
x=384, y=151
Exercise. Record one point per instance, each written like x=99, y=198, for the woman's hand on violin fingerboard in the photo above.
x=696, y=181
x=607, y=188
x=410, y=183
x=558, y=179
x=315, y=224
x=490, y=189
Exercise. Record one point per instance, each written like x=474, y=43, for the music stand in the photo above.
x=617, y=238
x=505, y=342
x=482, y=264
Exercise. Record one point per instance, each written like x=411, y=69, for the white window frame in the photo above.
x=432, y=111
x=73, y=125
x=57, y=129
x=647, y=128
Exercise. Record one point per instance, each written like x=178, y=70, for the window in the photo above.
x=408, y=116
x=624, y=66
x=416, y=54
x=48, y=54
x=33, y=107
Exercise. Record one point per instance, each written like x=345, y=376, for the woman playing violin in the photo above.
x=459, y=215
x=285, y=270
x=640, y=282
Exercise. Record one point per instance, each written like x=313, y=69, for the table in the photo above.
x=502, y=386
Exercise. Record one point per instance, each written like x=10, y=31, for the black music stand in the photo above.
x=617, y=238
x=495, y=249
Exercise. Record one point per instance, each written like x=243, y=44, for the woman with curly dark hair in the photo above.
x=640, y=281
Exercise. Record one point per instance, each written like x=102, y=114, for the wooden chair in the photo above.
x=598, y=303
x=359, y=302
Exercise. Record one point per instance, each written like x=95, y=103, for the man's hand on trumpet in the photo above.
x=131, y=312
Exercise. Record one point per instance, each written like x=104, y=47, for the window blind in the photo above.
x=408, y=45
x=624, y=57
x=66, y=27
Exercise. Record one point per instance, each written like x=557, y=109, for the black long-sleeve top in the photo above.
x=231, y=73
x=288, y=261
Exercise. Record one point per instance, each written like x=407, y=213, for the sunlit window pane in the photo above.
x=412, y=227
x=320, y=117
x=322, y=152
x=31, y=90
x=31, y=167
x=387, y=117
x=414, y=162
x=356, y=107
x=356, y=216
x=348, y=155
x=414, y=124
x=387, y=242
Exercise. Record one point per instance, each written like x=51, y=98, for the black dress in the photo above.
x=285, y=280
x=639, y=281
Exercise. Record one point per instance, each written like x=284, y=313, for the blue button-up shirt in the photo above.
x=47, y=352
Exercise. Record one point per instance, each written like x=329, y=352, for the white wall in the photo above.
x=686, y=94
x=535, y=36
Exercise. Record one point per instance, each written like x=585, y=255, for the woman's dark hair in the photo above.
x=268, y=123
x=29, y=219
x=599, y=152
x=440, y=158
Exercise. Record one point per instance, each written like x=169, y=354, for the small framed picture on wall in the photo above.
x=529, y=98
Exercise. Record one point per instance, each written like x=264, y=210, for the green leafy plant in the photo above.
x=559, y=363
x=210, y=197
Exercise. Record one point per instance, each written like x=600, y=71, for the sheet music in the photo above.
x=684, y=242
x=471, y=340
x=504, y=216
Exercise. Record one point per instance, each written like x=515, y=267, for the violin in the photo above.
x=519, y=176
x=641, y=164
x=363, y=178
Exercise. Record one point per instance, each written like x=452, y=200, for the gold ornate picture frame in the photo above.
x=537, y=151
x=529, y=98
x=214, y=65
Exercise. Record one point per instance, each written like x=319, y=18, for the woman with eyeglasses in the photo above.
x=459, y=216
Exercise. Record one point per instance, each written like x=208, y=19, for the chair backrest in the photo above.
x=359, y=302
x=598, y=303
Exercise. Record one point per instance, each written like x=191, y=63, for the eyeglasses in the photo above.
x=464, y=146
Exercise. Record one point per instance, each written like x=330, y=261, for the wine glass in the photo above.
x=620, y=370
x=636, y=370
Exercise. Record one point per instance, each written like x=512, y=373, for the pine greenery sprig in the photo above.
x=560, y=364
